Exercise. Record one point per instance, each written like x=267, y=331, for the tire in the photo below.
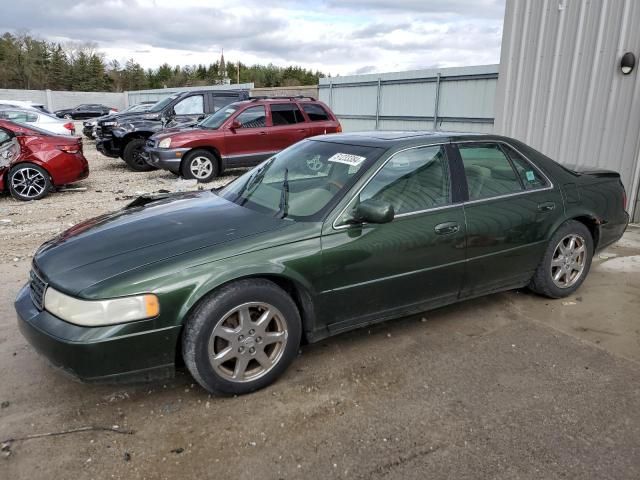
x=570, y=266
x=132, y=156
x=200, y=165
x=213, y=329
x=28, y=181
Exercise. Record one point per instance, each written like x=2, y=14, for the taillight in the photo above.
x=69, y=148
x=70, y=126
x=339, y=129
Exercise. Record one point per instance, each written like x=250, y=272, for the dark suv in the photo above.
x=125, y=135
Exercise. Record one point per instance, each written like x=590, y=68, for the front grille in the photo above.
x=37, y=288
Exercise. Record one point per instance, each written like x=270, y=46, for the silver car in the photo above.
x=35, y=118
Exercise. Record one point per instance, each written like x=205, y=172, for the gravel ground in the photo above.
x=110, y=186
x=502, y=387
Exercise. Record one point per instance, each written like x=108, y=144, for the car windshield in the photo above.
x=302, y=182
x=156, y=107
x=214, y=121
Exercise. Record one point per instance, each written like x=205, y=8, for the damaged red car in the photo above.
x=34, y=162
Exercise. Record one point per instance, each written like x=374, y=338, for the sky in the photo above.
x=337, y=37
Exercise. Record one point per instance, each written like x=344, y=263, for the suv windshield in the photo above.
x=214, y=121
x=162, y=103
x=302, y=182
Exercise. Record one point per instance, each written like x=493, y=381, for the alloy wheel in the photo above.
x=569, y=260
x=28, y=182
x=248, y=342
x=201, y=167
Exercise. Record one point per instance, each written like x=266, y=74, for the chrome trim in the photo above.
x=468, y=202
x=35, y=276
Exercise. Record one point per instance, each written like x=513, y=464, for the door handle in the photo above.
x=546, y=206
x=263, y=133
x=447, y=228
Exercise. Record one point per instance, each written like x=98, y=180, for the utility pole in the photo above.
x=238, y=71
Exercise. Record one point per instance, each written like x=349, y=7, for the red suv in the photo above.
x=33, y=161
x=241, y=134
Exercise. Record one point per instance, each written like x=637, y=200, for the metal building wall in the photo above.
x=561, y=89
x=456, y=99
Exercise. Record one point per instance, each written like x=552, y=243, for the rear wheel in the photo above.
x=566, y=262
x=242, y=337
x=200, y=165
x=133, y=155
x=28, y=182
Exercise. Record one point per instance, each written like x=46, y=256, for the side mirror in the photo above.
x=372, y=211
x=235, y=125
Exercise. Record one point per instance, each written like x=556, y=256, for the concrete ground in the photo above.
x=507, y=386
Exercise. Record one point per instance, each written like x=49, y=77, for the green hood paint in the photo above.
x=134, y=237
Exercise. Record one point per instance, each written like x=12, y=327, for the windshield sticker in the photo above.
x=347, y=159
x=530, y=176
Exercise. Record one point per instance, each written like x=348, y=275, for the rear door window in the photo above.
x=489, y=172
x=315, y=112
x=222, y=101
x=193, y=105
x=530, y=177
x=19, y=116
x=286, y=114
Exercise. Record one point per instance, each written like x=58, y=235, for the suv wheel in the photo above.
x=28, y=182
x=242, y=337
x=200, y=165
x=133, y=155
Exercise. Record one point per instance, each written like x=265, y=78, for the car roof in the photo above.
x=402, y=139
x=259, y=100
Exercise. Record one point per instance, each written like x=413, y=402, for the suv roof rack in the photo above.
x=286, y=97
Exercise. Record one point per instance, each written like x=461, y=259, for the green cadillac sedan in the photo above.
x=334, y=233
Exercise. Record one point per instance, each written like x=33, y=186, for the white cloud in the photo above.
x=337, y=37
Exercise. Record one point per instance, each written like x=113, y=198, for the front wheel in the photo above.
x=566, y=261
x=133, y=155
x=200, y=165
x=242, y=337
x=28, y=182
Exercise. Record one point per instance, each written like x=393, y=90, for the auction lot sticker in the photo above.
x=346, y=158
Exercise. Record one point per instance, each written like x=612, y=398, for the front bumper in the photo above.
x=88, y=131
x=165, y=158
x=128, y=352
x=108, y=147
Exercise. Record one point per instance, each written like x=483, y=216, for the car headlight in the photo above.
x=165, y=143
x=94, y=313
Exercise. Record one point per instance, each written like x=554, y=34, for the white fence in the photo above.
x=56, y=100
x=454, y=99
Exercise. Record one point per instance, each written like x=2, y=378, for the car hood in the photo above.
x=132, y=116
x=178, y=134
x=149, y=230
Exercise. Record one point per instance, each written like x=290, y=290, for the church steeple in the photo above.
x=223, y=67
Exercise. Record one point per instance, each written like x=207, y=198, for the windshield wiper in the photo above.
x=284, y=195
